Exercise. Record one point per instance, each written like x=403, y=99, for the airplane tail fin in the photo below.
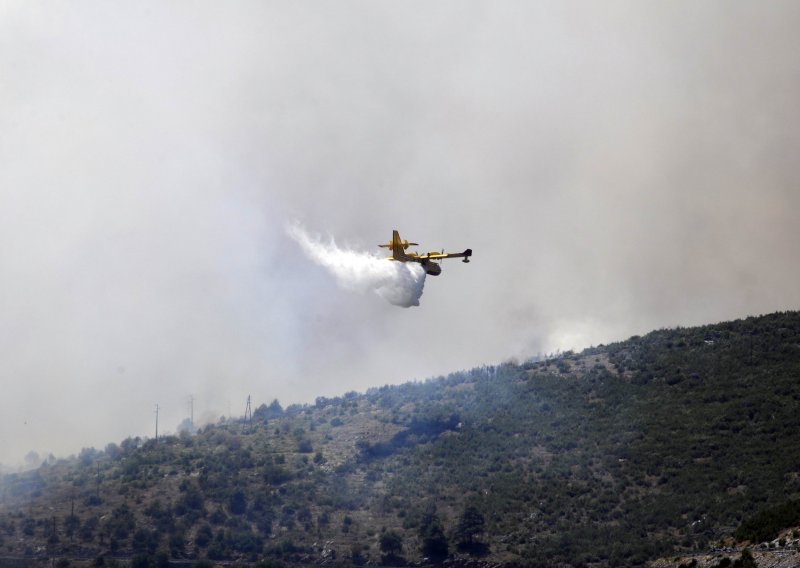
x=398, y=246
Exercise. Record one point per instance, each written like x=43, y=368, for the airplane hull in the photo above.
x=432, y=268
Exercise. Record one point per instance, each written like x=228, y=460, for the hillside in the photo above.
x=674, y=443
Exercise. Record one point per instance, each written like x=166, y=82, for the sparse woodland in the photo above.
x=680, y=441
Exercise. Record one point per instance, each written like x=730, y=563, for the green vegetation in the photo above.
x=767, y=524
x=659, y=445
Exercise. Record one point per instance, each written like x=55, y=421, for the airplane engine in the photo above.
x=432, y=268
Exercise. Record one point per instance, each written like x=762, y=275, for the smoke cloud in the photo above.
x=399, y=283
x=618, y=167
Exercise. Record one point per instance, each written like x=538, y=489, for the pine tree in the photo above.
x=470, y=525
x=431, y=533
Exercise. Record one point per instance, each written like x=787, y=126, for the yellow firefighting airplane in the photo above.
x=398, y=248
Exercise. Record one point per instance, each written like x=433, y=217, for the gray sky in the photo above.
x=616, y=167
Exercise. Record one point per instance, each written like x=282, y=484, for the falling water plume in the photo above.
x=399, y=283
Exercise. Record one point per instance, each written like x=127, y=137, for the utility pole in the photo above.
x=72, y=518
x=51, y=541
x=156, y=423
x=248, y=414
x=191, y=412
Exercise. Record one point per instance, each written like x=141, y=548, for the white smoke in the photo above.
x=399, y=283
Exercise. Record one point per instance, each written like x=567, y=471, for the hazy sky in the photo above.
x=615, y=166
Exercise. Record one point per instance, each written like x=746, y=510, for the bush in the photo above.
x=237, y=503
x=391, y=543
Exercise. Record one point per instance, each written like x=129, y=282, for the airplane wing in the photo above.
x=441, y=256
